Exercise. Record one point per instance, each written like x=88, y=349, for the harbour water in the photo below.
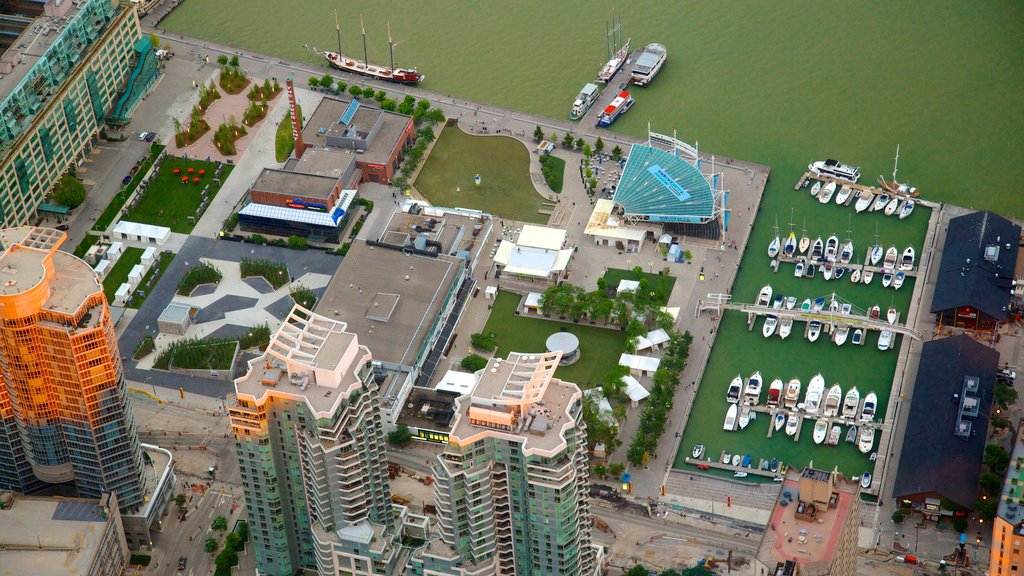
x=780, y=83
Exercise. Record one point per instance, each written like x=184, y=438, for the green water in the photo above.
x=781, y=83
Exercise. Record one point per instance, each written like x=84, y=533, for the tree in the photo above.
x=233, y=541
x=314, y=82
x=243, y=531
x=482, y=341
x=407, y=105
x=154, y=40
x=388, y=104
x=327, y=81
x=434, y=116
x=180, y=501
x=226, y=559
x=587, y=153
x=568, y=140
x=401, y=436
x=234, y=61
x=617, y=153
x=637, y=570
x=553, y=137
x=219, y=523
x=210, y=545
x=579, y=143
x=298, y=243
x=996, y=458
x=1004, y=395
x=222, y=60
x=991, y=483
x=600, y=470
x=380, y=96
x=341, y=86
x=69, y=192
x=473, y=362
x=598, y=145
x=986, y=508
x=538, y=133
x=355, y=91
x=616, y=469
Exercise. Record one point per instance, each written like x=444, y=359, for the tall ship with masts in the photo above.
x=364, y=67
x=617, y=51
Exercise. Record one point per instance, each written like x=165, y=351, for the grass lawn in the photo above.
x=163, y=261
x=599, y=347
x=284, y=143
x=662, y=285
x=119, y=273
x=168, y=202
x=504, y=168
x=114, y=208
x=553, y=168
x=89, y=241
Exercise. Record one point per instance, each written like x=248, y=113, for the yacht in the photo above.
x=891, y=315
x=897, y=281
x=816, y=188
x=792, y=423
x=790, y=302
x=834, y=169
x=648, y=64
x=867, y=439
x=851, y=403
x=744, y=418
x=867, y=276
x=799, y=270
x=867, y=413
x=890, y=258
x=855, y=276
x=846, y=254
x=820, y=430
x=814, y=330
x=843, y=195
x=826, y=193
x=792, y=393
x=816, y=387
x=805, y=306
x=840, y=335
x=832, y=401
x=864, y=201
x=732, y=395
x=774, y=392
x=764, y=297
x=858, y=337
x=833, y=435
x=730, y=418
x=752, y=394
x=907, y=263
x=885, y=340
x=698, y=451
x=785, y=327
x=886, y=278
x=874, y=311
x=817, y=249
x=832, y=248
x=880, y=202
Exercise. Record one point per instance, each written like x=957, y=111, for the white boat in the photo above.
x=815, y=388
x=846, y=308
x=867, y=439
x=835, y=169
x=820, y=430
x=864, y=201
x=831, y=248
x=855, y=276
x=584, y=100
x=735, y=389
x=840, y=335
x=839, y=272
x=819, y=303
x=799, y=270
x=874, y=311
x=740, y=474
x=851, y=435
x=780, y=421
x=867, y=412
x=865, y=480
x=851, y=403
x=890, y=258
x=777, y=302
x=817, y=249
x=790, y=302
x=843, y=195
x=752, y=393
x=885, y=340
x=785, y=327
x=833, y=304
x=792, y=423
x=730, y=418
x=764, y=297
x=773, y=247
x=804, y=244
x=775, y=392
x=892, y=206
x=846, y=254
x=805, y=305
x=736, y=459
x=907, y=262
x=832, y=401
x=880, y=202
x=834, y=435
x=907, y=208
x=744, y=418
x=891, y=315
x=792, y=393
x=858, y=337
x=827, y=271
x=726, y=457
x=826, y=193
x=698, y=451
x=816, y=188
x=814, y=330
x=876, y=254
x=867, y=276
x=897, y=280
x=614, y=63
x=789, y=245
x=886, y=278
x=648, y=64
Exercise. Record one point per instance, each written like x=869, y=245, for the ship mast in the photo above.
x=391, y=47
x=366, y=57
x=337, y=28
x=896, y=165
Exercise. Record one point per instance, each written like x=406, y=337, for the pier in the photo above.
x=852, y=320
x=808, y=176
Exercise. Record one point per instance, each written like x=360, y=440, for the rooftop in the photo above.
x=51, y=536
x=323, y=163
x=429, y=409
x=295, y=183
x=392, y=299
x=529, y=261
x=454, y=231
x=1013, y=487
x=24, y=264
x=604, y=222
x=663, y=187
x=326, y=121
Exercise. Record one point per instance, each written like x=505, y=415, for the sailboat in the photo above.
x=365, y=68
x=880, y=202
x=752, y=394
x=846, y=254
x=855, y=276
x=874, y=311
x=832, y=401
x=780, y=421
x=867, y=413
x=816, y=189
x=775, y=392
x=851, y=403
x=732, y=395
x=867, y=439
x=892, y=206
x=805, y=240
x=730, y=418
x=776, y=243
x=812, y=401
x=785, y=327
x=891, y=315
x=839, y=337
x=826, y=192
x=906, y=209
x=893, y=185
x=907, y=263
x=820, y=430
x=864, y=201
x=792, y=393
x=789, y=245
x=876, y=253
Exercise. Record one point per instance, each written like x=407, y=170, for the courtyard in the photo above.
x=176, y=192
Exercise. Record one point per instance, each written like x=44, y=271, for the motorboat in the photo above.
x=799, y=270
x=867, y=439
x=817, y=249
x=773, y=247
x=858, y=337
x=805, y=305
x=647, y=65
x=698, y=451
x=777, y=302
x=891, y=315
x=826, y=192
x=834, y=435
x=774, y=264
x=815, y=388
x=846, y=254
x=827, y=271
x=851, y=403
x=864, y=201
x=773, y=465
x=752, y=393
x=730, y=418
x=907, y=262
x=740, y=474
x=736, y=459
x=790, y=302
x=851, y=435
x=890, y=258
x=804, y=244
x=792, y=423
x=792, y=393
x=744, y=418
x=746, y=461
x=764, y=297
x=876, y=254
x=619, y=106
x=814, y=330
x=867, y=412
x=832, y=248
x=843, y=195
x=584, y=100
x=785, y=327
x=898, y=279
x=880, y=202
x=780, y=421
x=892, y=206
x=906, y=209
x=846, y=308
x=789, y=245
x=735, y=389
x=886, y=279
x=865, y=480
x=770, y=323
x=885, y=340
x=819, y=303
x=816, y=188
x=832, y=401
x=867, y=276
x=833, y=304
x=840, y=335
x=839, y=272
x=855, y=276
x=835, y=169
x=775, y=392
x=820, y=430
x=874, y=311
x=726, y=457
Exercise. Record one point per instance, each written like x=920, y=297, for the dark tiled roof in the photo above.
x=966, y=278
x=933, y=458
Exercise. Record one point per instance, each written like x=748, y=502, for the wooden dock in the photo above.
x=717, y=464
x=808, y=176
x=854, y=321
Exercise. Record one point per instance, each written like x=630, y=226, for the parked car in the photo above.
x=142, y=136
x=1006, y=375
x=151, y=136
x=181, y=563
x=63, y=227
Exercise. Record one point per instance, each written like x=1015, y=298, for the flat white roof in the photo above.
x=643, y=363
x=123, y=290
x=653, y=338
x=628, y=285
x=149, y=253
x=531, y=261
x=175, y=313
x=532, y=300
x=102, y=266
x=634, y=389
x=542, y=237
x=144, y=230
x=604, y=223
x=458, y=382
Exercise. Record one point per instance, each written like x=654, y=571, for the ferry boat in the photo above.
x=364, y=67
x=584, y=100
x=618, y=107
x=835, y=169
x=648, y=64
x=614, y=64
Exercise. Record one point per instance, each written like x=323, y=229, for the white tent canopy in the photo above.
x=634, y=389
x=639, y=363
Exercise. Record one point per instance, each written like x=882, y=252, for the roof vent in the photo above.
x=992, y=252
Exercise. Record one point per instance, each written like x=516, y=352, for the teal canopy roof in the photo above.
x=663, y=187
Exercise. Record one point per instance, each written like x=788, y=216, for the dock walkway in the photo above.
x=852, y=320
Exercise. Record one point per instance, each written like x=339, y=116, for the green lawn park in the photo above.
x=169, y=200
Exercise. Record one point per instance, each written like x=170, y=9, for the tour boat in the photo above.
x=814, y=331
x=805, y=305
x=799, y=271
x=817, y=249
x=832, y=401
x=826, y=193
x=846, y=254
x=867, y=276
x=858, y=337
x=885, y=340
x=835, y=169
x=744, y=418
x=831, y=248
x=792, y=423
x=619, y=106
x=851, y=403
x=820, y=430
x=785, y=327
x=698, y=451
x=764, y=297
x=874, y=312
x=855, y=276
x=886, y=278
x=805, y=243
x=890, y=258
x=773, y=247
x=812, y=401
x=880, y=202
x=907, y=263
x=907, y=208
x=648, y=64
x=851, y=435
x=780, y=421
x=774, y=392
x=584, y=100
x=790, y=302
x=892, y=206
x=752, y=393
x=730, y=418
x=867, y=413
x=891, y=315
x=789, y=246
x=792, y=393
x=834, y=434
x=897, y=281
x=816, y=189
x=735, y=389
x=865, y=480
x=365, y=68
x=876, y=254
x=614, y=64
x=839, y=337
x=843, y=195
x=867, y=439
x=864, y=201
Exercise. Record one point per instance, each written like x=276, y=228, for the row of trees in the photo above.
x=265, y=91
x=571, y=142
x=655, y=414
x=226, y=135
x=197, y=126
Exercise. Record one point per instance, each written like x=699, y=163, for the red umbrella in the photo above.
x=184, y=178
x=195, y=179
x=201, y=171
x=177, y=170
x=190, y=170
